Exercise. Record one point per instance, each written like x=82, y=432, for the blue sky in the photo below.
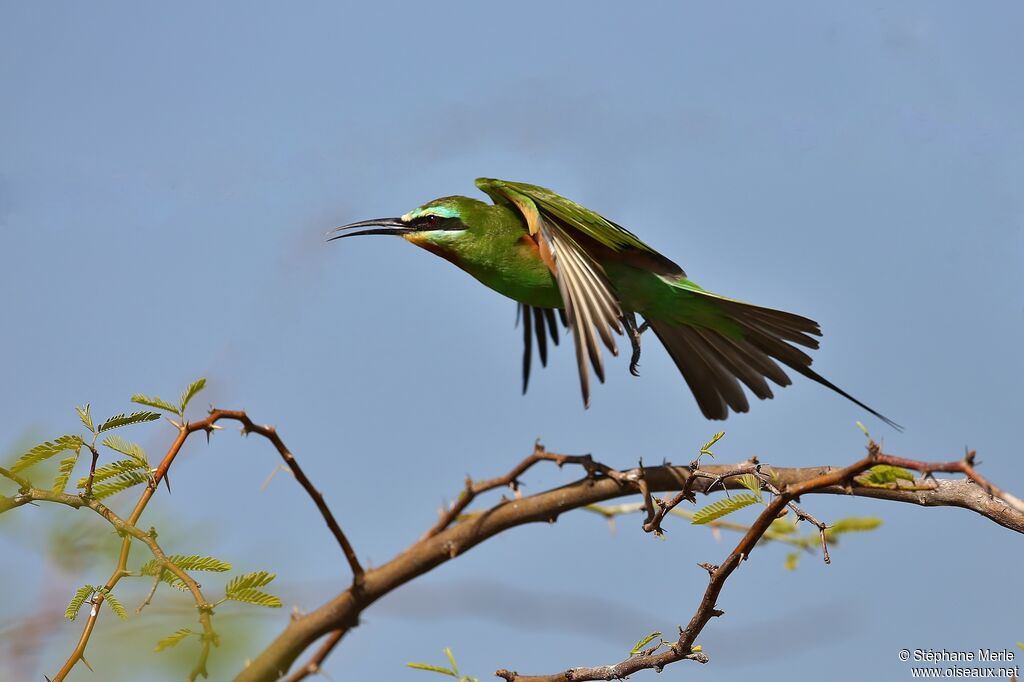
x=166, y=179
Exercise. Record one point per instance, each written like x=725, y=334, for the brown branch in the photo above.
x=270, y=433
x=682, y=648
x=511, y=479
x=448, y=539
x=312, y=666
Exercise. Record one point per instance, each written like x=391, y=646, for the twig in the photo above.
x=312, y=666
x=270, y=433
x=511, y=479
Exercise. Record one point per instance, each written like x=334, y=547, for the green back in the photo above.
x=567, y=211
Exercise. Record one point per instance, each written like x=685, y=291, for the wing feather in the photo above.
x=593, y=311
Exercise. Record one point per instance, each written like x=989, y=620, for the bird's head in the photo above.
x=436, y=225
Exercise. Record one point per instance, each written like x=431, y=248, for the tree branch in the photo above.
x=448, y=539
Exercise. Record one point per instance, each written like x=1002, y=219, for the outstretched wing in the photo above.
x=591, y=305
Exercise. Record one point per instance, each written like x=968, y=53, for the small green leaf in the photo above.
x=751, y=483
x=882, y=475
x=121, y=466
x=64, y=470
x=173, y=640
x=706, y=449
x=121, y=483
x=115, y=604
x=243, y=588
x=639, y=646
x=432, y=668
x=783, y=526
x=863, y=429
x=154, y=401
x=86, y=416
x=44, y=451
x=451, y=659
x=133, y=450
x=190, y=393
x=853, y=524
x=189, y=562
x=81, y=596
x=251, y=595
x=791, y=560
x=174, y=581
x=728, y=505
x=122, y=419
x=256, y=579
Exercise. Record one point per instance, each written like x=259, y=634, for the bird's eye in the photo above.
x=432, y=219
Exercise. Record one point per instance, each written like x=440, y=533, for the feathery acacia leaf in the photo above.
x=86, y=416
x=122, y=482
x=81, y=595
x=46, y=450
x=783, y=526
x=122, y=419
x=121, y=466
x=882, y=475
x=188, y=562
x=190, y=392
x=256, y=579
x=115, y=605
x=792, y=559
x=243, y=588
x=155, y=401
x=853, y=524
x=173, y=640
x=64, y=470
x=751, y=483
x=251, y=595
x=717, y=510
x=432, y=668
x=174, y=581
x=133, y=450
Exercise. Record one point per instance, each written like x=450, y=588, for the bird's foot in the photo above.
x=634, y=333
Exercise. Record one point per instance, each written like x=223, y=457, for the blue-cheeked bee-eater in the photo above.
x=560, y=260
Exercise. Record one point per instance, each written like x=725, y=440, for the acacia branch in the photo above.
x=448, y=539
x=128, y=528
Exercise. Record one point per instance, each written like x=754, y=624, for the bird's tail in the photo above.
x=741, y=343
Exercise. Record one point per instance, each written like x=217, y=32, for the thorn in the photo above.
x=82, y=658
x=167, y=481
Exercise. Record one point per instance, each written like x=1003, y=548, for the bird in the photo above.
x=567, y=265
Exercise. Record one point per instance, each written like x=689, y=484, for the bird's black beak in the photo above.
x=382, y=225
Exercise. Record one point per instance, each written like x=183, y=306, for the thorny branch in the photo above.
x=457, y=531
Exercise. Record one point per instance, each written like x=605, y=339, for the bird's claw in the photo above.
x=634, y=333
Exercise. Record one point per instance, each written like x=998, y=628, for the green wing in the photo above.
x=592, y=308
x=568, y=212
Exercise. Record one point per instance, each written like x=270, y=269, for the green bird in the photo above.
x=550, y=254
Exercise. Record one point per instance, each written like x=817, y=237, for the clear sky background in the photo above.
x=167, y=174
